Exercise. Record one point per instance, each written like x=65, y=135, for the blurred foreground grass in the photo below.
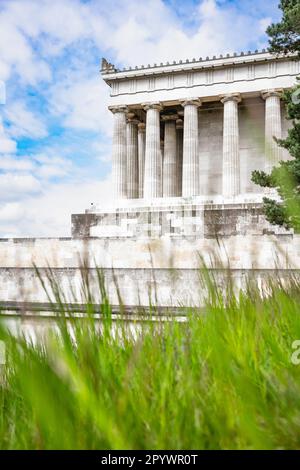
x=221, y=380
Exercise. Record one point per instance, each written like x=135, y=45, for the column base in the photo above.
x=122, y=204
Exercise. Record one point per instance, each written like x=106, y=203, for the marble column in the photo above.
x=169, y=160
x=190, y=168
x=162, y=151
x=153, y=157
x=119, y=160
x=273, y=153
x=231, y=151
x=141, y=153
x=179, y=154
x=132, y=157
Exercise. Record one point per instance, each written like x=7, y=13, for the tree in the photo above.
x=285, y=38
x=285, y=35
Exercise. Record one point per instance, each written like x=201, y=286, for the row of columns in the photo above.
x=140, y=171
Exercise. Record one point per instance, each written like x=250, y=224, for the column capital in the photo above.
x=179, y=124
x=274, y=92
x=141, y=127
x=154, y=105
x=169, y=117
x=236, y=97
x=131, y=117
x=193, y=101
x=118, y=109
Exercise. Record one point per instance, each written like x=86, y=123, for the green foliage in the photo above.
x=286, y=176
x=263, y=179
x=222, y=380
x=276, y=212
x=285, y=38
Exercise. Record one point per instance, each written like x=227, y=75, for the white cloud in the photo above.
x=16, y=52
x=2, y=91
x=82, y=103
x=6, y=145
x=23, y=122
x=102, y=150
x=50, y=46
x=62, y=20
x=148, y=32
x=7, y=162
x=11, y=212
x=49, y=213
x=264, y=23
x=41, y=165
x=208, y=9
x=32, y=172
x=16, y=185
x=51, y=166
x=51, y=171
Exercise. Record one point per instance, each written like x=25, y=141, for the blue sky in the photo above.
x=55, y=129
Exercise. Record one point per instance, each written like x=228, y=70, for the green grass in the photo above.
x=222, y=380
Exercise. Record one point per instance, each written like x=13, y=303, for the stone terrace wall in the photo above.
x=176, y=262
x=175, y=220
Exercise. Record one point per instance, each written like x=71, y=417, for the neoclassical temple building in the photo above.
x=187, y=136
x=186, y=139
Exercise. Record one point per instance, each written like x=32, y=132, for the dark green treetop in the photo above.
x=285, y=38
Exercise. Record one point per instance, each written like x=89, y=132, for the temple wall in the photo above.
x=174, y=217
x=252, y=140
x=165, y=268
x=211, y=148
